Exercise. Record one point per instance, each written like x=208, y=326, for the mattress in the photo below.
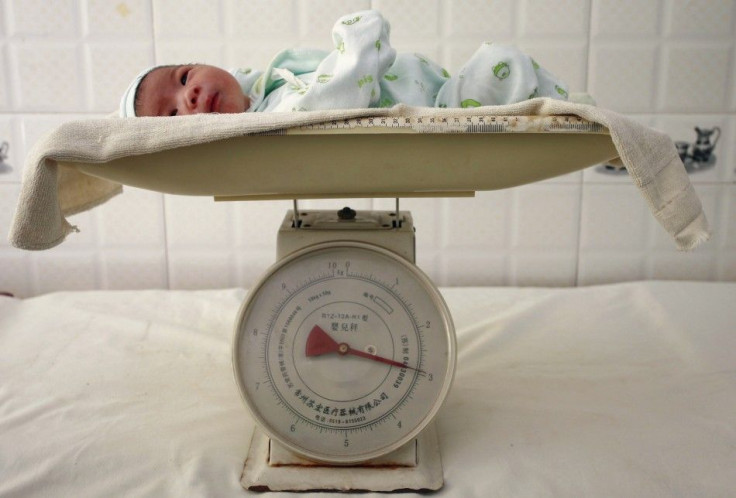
x=615, y=390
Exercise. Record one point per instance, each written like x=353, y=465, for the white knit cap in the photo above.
x=127, y=103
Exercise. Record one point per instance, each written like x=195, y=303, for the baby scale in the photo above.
x=344, y=350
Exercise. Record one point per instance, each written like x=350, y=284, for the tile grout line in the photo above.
x=581, y=184
x=167, y=266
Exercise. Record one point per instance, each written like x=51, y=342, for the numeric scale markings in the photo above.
x=465, y=124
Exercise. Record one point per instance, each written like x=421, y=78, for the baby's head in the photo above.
x=186, y=89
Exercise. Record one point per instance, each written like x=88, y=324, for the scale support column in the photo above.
x=392, y=230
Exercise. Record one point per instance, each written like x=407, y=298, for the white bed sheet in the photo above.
x=618, y=390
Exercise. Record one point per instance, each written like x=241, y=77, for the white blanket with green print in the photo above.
x=364, y=71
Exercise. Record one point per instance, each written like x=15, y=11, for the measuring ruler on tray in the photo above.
x=456, y=124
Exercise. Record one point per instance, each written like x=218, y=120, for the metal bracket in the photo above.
x=397, y=219
x=297, y=222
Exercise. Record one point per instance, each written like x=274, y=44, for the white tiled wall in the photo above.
x=668, y=63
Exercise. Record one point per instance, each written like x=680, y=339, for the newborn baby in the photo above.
x=362, y=71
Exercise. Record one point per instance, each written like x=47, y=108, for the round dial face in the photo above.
x=344, y=351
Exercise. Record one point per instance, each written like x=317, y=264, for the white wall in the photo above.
x=668, y=63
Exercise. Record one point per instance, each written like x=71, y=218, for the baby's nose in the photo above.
x=192, y=97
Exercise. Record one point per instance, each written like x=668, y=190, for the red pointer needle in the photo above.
x=319, y=343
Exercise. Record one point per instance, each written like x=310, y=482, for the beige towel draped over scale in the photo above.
x=50, y=193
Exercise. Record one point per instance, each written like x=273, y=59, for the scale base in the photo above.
x=415, y=467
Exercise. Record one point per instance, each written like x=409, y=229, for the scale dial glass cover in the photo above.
x=344, y=351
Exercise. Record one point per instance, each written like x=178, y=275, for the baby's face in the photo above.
x=193, y=89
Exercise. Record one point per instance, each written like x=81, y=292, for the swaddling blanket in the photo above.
x=50, y=193
x=364, y=70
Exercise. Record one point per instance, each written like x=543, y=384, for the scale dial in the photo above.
x=344, y=351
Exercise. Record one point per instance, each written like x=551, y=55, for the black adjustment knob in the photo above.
x=346, y=213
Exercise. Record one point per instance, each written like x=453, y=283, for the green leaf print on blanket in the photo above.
x=300, y=90
x=365, y=80
x=561, y=91
x=502, y=70
x=469, y=103
x=422, y=59
x=324, y=78
x=352, y=21
x=390, y=77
